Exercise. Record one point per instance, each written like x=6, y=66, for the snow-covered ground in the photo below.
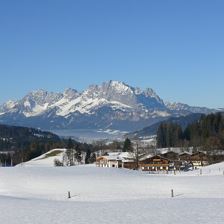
x=45, y=160
x=38, y=194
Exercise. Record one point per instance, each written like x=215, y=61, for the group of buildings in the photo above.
x=167, y=161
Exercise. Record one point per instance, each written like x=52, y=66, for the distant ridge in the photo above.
x=183, y=121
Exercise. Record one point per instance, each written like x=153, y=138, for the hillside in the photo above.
x=16, y=138
x=17, y=132
x=183, y=121
x=207, y=133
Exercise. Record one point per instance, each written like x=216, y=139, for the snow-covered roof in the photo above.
x=147, y=156
x=185, y=152
x=123, y=156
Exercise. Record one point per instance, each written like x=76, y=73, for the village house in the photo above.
x=185, y=161
x=174, y=161
x=117, y=160
x=199, y=159
x=185, y=156
x=168, y=161
x=108, y=161
x=129, y=164
x=154, y=163
x=171, y=155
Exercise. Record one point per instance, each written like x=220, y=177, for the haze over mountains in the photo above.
x=111, y=105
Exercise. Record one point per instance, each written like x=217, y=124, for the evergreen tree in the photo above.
x=87, y=157
x=78, y=154
x=127, y=147
x=92, y=158
x=208, y=133
x=169, y=135
x=70, y=144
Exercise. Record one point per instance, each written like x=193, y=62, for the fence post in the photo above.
x=69, y=194
x=172, y=193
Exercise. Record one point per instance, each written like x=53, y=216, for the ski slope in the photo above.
x=38, y=194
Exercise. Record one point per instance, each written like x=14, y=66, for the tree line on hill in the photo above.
x=207, y=133
x=76, y=154
x=21, y=144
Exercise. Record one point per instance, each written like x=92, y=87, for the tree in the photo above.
x=169, y=135
x=70, y=144
x=87, y=157
x=92, y=158
x=78, y=154
x=136, y=156
x=127, y=147
x=207, y=133
x=161, y=136
x=57, y=162
x=68, y=158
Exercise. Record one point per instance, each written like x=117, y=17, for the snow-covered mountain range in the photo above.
x=113, y=105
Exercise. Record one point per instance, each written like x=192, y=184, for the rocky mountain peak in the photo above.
x=112, y=104
x=71, y=93
x=42, y=97
x=121, y=87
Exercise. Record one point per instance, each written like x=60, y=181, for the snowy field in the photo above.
x=34, y=194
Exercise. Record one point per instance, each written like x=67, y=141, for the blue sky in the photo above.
x=175, y=47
